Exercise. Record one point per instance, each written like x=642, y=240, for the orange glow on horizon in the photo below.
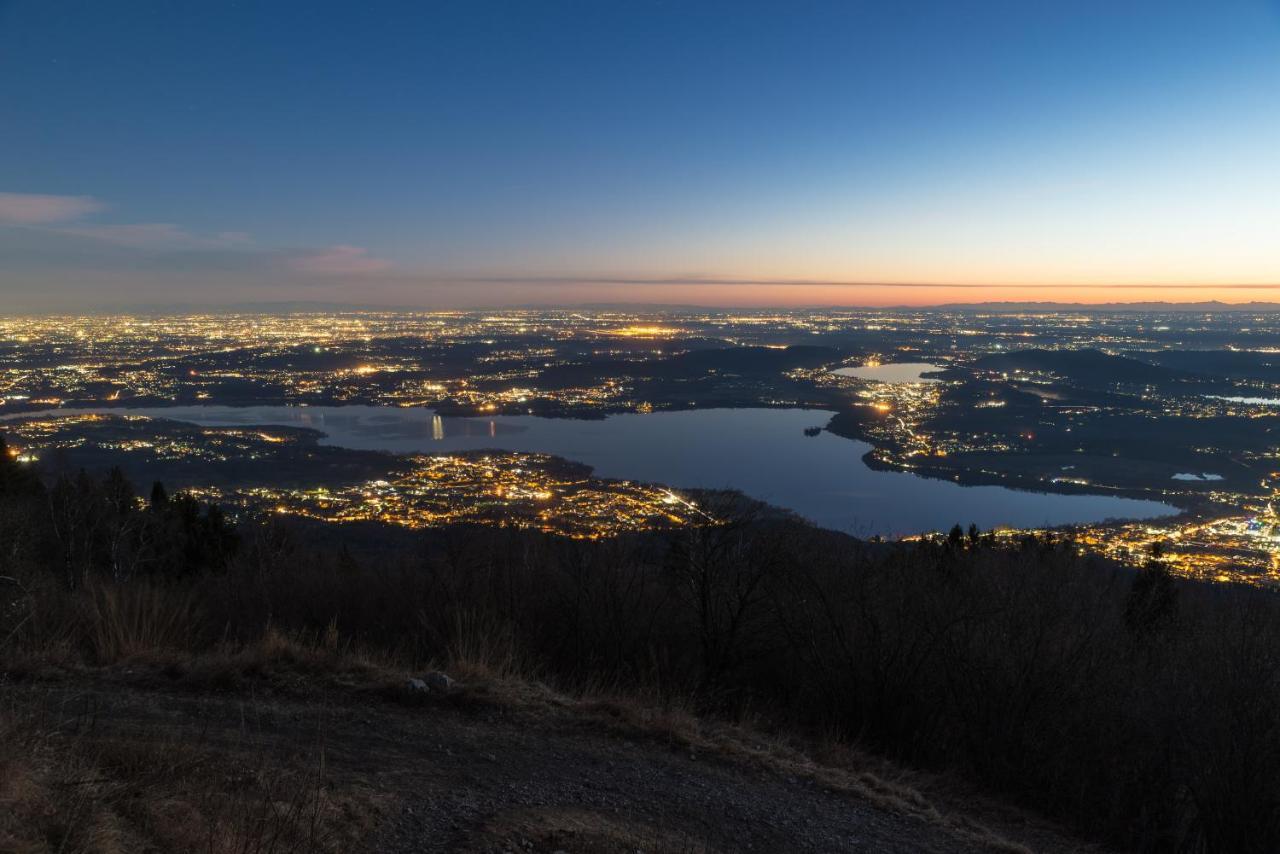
x=782, y=295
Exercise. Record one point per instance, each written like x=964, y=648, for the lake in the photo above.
x=1252, y=401
x=762, y=452
x=894, y=372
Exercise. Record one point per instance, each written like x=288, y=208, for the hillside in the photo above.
x=296, y=749
x=167, y=671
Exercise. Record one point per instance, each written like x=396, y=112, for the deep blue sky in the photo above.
x=388, y=151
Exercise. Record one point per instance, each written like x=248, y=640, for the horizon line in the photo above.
x=302, y=306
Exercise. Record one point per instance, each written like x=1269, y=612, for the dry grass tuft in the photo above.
x=291, y=663
x=483, y=649
x=126, y=620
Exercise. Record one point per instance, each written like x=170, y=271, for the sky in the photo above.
x=484, y=153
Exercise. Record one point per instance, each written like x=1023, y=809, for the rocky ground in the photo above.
x=379, y=767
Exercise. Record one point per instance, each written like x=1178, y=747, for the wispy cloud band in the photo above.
x=39, y=209
x=49, y=230
x=339, y=260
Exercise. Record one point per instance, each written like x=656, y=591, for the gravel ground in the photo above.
x=449, y=776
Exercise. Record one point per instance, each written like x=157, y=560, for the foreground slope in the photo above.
x=222, y=757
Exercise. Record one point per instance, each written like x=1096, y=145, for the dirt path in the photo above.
x=459, y=776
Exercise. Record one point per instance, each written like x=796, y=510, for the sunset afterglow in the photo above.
x=452, y=157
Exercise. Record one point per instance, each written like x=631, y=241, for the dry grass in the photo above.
x=292, y=663
x=69, y=784
x=126, y=620
x=67, y=787
x=481, y=649
x=99, y=624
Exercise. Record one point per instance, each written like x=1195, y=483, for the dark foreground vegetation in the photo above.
x=1140, y=710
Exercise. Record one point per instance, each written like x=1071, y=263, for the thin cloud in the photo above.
x=339, y=261
x=51, y=233
x=152, y=235
x=65, y=215
x=39, y=209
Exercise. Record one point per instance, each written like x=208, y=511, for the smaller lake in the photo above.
x=896, y=372
x=762, y=452
x=1251, y=401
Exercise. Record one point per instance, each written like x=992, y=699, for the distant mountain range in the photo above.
x=1213, y=305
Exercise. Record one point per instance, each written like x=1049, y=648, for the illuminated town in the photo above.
x=1171, y=407
x=517, y=490
x=1235, y=548
x=282, y=471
